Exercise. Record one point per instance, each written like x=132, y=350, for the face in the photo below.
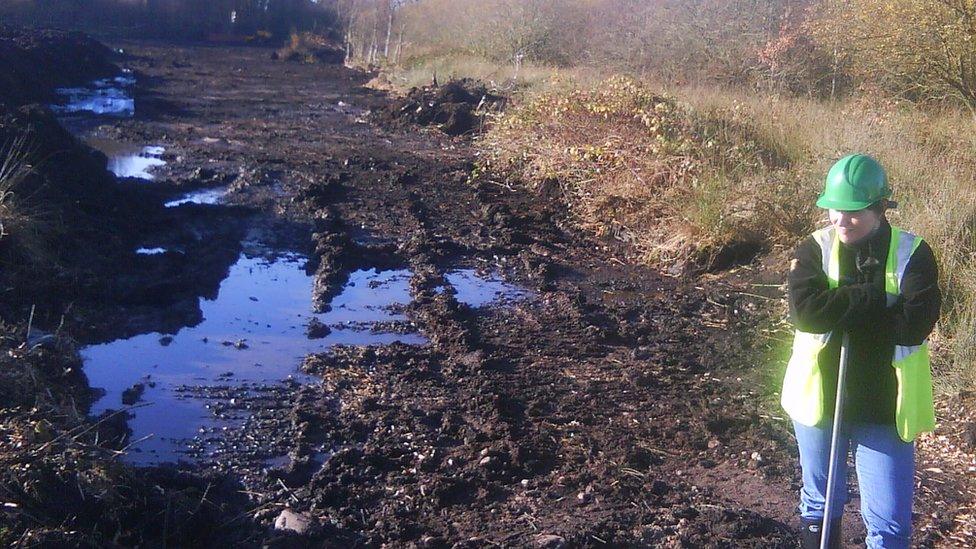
x=853, y=226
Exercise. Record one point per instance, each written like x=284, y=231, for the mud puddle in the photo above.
x=127, y=160
x=202, y=196
x=246, y=351
x=478, y=289
x=106, y=97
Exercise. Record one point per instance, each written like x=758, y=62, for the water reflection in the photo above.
x=126, y=160
x=108, y=96
x=254, y=334
x=479, y=289
x=203, y=196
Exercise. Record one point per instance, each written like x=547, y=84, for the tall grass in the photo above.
x=13, y=168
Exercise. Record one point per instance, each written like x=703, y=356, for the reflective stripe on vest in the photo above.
x=803, y=395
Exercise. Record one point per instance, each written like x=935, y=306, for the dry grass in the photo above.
x=686, y=172
x=15, y=222
x=26, y=228
x=928, y=156
x=420, y=69
x=309, y=47
x=639, y=165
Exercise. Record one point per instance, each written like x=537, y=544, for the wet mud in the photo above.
x=463, y=368
x=539, y=411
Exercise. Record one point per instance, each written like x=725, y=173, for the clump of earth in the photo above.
x=458, y=107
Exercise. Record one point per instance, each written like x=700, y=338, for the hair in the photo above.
x=879, y=207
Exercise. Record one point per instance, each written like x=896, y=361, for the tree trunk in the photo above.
x=389, y=31
x=399, y=47
x=373, y=46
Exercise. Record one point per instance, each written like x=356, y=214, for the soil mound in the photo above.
x=62, y=212
x=35, y=62
x=457, y=107
x=311, y=48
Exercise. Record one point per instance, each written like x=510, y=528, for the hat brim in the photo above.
x=843, y=205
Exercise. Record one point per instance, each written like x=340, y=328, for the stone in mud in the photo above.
x=472, y=360
x=133, y=394
x=293, y=521
x=550, y=541
x=112, y=429
x=316, y=329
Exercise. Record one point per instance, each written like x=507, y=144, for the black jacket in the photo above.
x=858, y=307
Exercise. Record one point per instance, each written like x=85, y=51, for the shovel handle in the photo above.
x=835, y=442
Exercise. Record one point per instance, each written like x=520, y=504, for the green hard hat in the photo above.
x=854, y=183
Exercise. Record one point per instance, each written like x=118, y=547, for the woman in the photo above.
x=879, y=285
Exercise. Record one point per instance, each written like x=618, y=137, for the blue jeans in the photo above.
x=885, y=476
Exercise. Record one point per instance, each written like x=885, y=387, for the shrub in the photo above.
x=640, y=166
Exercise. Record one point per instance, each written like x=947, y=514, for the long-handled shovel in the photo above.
x=835, y=443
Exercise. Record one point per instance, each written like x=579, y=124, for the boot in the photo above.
x=810, y=534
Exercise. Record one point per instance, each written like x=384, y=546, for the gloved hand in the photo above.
x=872, y=272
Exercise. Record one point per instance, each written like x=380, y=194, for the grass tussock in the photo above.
x=678, y=183
x=20, y=226
x=310, y=48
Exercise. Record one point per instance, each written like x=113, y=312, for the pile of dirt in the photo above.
x=311, y=48
x=457, y=107
x=66, y=218
x=33, y=63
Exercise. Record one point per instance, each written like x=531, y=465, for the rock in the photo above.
x=472, y=360
x=293, y=521
x=316, y=329
x=133, y=394
x=550, y=541
x=165, y=340
x=642, y=353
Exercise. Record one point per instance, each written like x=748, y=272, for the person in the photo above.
x=877, y=284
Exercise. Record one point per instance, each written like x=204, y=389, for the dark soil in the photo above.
x=456, y=108
x=33, y=63
x=614, y=406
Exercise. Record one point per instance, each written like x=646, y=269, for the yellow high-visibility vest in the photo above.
x=803, y=395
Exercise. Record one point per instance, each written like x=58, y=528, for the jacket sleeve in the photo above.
x=914, y=315
x=816, y=308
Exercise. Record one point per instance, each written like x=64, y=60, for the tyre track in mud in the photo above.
x=526, y=424
x=589, y=413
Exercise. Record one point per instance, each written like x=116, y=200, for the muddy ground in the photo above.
x=614, y=406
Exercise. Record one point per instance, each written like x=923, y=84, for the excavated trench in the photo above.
x=332, y=314
x=396, y=353
x=322, y=330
